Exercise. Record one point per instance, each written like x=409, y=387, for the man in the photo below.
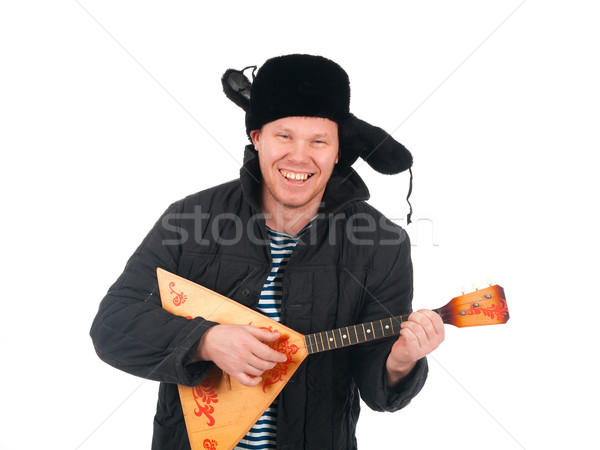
x=295, y=239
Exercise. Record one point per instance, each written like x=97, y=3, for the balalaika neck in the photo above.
x=354, y=334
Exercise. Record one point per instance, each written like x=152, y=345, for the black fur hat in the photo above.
x=313, y=86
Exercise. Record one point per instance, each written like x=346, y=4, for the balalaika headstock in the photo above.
x=481, y=307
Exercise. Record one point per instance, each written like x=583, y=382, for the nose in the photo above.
x=300, y=151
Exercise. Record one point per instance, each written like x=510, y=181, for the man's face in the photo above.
x=297, y=156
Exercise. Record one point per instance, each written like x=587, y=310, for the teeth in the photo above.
x=295, y=176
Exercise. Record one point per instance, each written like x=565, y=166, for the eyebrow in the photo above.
x=289, y=131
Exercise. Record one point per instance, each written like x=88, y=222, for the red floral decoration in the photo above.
x=280, y=370
x=495, y=311
x=210, y=444
x=204, y=395
x=180, y=297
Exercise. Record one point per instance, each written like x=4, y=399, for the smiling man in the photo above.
x=297, y=156
x=295, y=239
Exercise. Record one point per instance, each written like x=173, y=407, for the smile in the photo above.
x=295, y=176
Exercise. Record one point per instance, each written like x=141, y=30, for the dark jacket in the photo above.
x=351, y=266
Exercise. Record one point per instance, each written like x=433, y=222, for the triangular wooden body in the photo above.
x=219, y=411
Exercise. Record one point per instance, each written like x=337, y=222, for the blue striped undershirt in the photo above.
x=263, y=435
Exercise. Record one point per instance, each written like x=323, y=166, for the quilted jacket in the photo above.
x=351, y=266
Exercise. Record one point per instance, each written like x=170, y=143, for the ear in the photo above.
x=237, y=87
x=255, y=137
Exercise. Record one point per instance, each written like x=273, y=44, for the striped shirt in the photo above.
x=263, y=435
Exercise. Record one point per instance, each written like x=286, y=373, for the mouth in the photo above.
x=296, y=177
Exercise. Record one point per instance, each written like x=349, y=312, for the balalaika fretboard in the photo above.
x=354, y=334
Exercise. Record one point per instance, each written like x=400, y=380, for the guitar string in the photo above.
x=316, y=348
x=445, y=315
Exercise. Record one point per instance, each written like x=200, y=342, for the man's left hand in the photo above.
x=421, y=334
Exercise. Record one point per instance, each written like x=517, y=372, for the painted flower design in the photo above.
x=204, y=395
x=210, y=444
x=180, y=297
x=495, y=311
x=277, y=373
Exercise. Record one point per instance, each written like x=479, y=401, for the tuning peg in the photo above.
x=462, y=289
x=475, y=286
x=489, y=281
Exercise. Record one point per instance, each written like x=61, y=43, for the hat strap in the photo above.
x=409, y=215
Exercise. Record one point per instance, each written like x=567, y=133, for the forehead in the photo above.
x=304, y=125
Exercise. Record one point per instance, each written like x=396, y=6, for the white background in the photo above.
x=109, y=111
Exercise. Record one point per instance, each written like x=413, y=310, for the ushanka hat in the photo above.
x=314, y=86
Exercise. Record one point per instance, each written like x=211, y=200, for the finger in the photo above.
x=270, y=336
x=438, y=323
x=260, y=365
x=428, y=334
x=414, y=334
x=246, y=379
x=427, y=320
x=434, y=317
x=436, y=333
x=409, y=336
x=252, y=371
x=264, y=335
x=422, y=318
x=266, y=353
x=409, y=348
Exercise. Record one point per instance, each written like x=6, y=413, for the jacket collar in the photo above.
x=344, y=187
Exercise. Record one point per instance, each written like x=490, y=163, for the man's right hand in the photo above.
x=241, y=351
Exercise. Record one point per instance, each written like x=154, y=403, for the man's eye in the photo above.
x=283, y=136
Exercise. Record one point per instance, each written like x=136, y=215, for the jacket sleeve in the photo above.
x=131, y=330
x=387, y=294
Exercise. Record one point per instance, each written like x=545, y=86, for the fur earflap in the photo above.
x=379, y=149
x=237, y=86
